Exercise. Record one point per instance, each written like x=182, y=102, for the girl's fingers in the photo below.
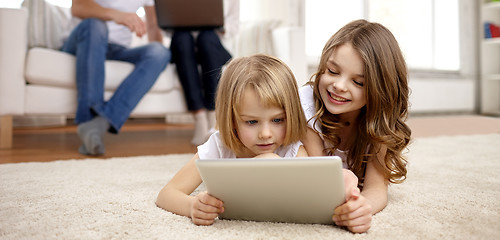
x=205, y=209
x=352, y=194
x=204, y=222
x=204, y=215
x=207, y=199
x=201, y=216
x=209, y=208
x=355, y=219
x=363, y=210
x=349, y=206
x=360, y=228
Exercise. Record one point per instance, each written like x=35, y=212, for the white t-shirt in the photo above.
x=118, y=34
x=214, y=148
x=306, y=94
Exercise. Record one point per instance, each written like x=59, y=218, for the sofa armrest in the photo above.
x=13, y=47
x=289, y=46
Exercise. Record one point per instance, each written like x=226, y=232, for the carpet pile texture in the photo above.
x=452, y=192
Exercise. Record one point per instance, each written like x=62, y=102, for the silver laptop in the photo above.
x=189, y=14
x=297, y=190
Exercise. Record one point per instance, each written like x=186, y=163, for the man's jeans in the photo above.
x=89, y=43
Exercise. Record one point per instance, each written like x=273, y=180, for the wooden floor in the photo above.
x=137, y=137
x=155, y=137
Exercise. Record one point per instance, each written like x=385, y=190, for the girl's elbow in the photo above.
x=161, y=199
x=382, y=203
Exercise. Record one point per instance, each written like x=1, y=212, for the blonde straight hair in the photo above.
x=275, y=85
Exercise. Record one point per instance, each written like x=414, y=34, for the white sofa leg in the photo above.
x=6, y=132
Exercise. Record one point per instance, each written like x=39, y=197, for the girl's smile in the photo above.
x=334, y=98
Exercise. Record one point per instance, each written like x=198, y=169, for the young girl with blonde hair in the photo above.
x=258, y=114
x=356, y=105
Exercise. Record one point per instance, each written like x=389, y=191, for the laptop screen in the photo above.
x=189, y=14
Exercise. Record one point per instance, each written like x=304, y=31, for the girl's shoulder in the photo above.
x=290, y=150
x=306, y=93
x=214, y=148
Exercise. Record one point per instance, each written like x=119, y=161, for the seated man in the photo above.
x=102, y=29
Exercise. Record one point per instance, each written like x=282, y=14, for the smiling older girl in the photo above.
x=356, y=105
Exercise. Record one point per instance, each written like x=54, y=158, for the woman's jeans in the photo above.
x=89, y=43
x=207, y=51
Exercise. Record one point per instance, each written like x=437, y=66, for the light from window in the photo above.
x=17, y=3
x=11, y=4
x=324, y=18
x=447, y=35
x=427, y=30
x=60, y=3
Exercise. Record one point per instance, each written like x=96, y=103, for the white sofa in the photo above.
x=41, y=81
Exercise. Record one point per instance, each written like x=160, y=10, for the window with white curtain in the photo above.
x=427, y=30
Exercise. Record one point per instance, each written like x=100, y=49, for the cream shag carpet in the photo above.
x=452, y=192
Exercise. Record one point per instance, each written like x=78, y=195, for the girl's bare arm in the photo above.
x=375, y=185
x=313, y=143
x=175, y=196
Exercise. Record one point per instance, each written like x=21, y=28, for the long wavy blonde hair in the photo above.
x=382, y=119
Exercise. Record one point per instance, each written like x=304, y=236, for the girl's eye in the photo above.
x=251, y=122
x=332, y=71
x=278, y=120
x=358, y=83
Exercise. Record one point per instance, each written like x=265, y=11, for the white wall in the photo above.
x=288, y=12
x=434, y=95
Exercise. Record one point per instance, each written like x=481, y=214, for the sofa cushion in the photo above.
x=46, y=100
x=47, y=23
x=50, y=67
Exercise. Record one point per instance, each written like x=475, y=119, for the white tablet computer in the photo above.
x=297, y=190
